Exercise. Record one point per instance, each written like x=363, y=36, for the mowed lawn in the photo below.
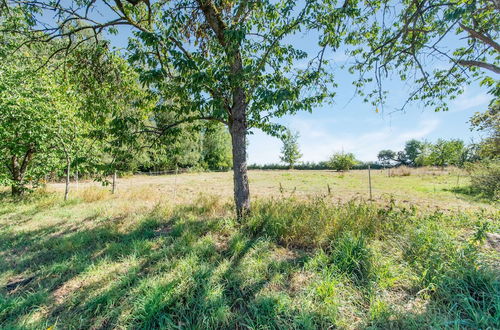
x=166, y=252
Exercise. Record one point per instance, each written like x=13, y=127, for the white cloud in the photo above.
x=318, y=140
x=470, y=100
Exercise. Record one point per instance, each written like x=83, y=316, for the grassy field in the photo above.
x=166, y=252
x=428, y=187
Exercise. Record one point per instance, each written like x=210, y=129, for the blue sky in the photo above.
x=353, y=126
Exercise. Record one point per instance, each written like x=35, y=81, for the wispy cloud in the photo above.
x=319, y=139
x=470, y=100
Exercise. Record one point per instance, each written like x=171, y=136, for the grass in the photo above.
x=430, y=188
x=140, y=260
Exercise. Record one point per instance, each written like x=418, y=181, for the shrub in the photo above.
x=400, y=171
x=485, y=178
x=342, y=161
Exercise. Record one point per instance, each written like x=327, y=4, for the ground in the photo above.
x=166, y=252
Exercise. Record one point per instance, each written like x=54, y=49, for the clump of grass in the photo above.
x=452, y=274
x=93, y=194
x=315, y=222
x=400, y=171
x=351, y=256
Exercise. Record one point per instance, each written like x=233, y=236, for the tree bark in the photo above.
x=17, y=190
x=68, y=171
x=19, y=170
x=238, y=130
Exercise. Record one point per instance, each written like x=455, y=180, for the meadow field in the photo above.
x=315, y=253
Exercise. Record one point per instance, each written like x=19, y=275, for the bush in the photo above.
x=342, y=161
x=485, y=178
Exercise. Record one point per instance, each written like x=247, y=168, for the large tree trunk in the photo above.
x=68, y=170
x=238, y=130
x=17, y=190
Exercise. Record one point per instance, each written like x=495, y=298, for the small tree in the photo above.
x=413, y=148
x=290, y=152
x=341, y=161
x=385, y=157
x=28, y=110
x=488, y=122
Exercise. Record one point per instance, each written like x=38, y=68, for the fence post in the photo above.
x=113, y=190
x=370, y=181
x=175, y=183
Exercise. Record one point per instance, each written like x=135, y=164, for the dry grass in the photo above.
x=431, y=188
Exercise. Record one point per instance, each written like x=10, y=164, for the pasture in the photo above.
x=167, y=252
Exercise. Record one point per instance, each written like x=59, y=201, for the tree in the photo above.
x=290, y=152
x=488, y=122
x=385, y=156
x=444, y=153
x=424, y=157
x=413, y=148
x=227, y=61
x=27, y=117
x=216, y=147
x=341, y=161
x=413, y=39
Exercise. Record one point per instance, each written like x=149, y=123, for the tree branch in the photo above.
x=484, y=65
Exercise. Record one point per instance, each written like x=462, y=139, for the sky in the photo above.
x=350, y=125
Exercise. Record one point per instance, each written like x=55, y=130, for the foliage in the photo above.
x=445, y=153
x=342, y=161
x=216, y=149
x=485, y=178
x=386, y=156
x=229, y=62
x=290, y=152
x=29, y=117
x=488, y=122
x=413, y=149
x=438, y=46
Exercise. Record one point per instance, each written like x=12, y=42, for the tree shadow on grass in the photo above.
x=470, y=194
x=163, y=273
x=188, y=270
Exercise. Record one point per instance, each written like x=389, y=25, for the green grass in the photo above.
x=105, y=262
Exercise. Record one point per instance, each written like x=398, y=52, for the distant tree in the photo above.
x=413, y=148
x=216, y=147
x=386, y=156
x=342, y=161
x=489, y=123
x=447, y=152
x=290, y=152
x=424, y=157
x=402, y=158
